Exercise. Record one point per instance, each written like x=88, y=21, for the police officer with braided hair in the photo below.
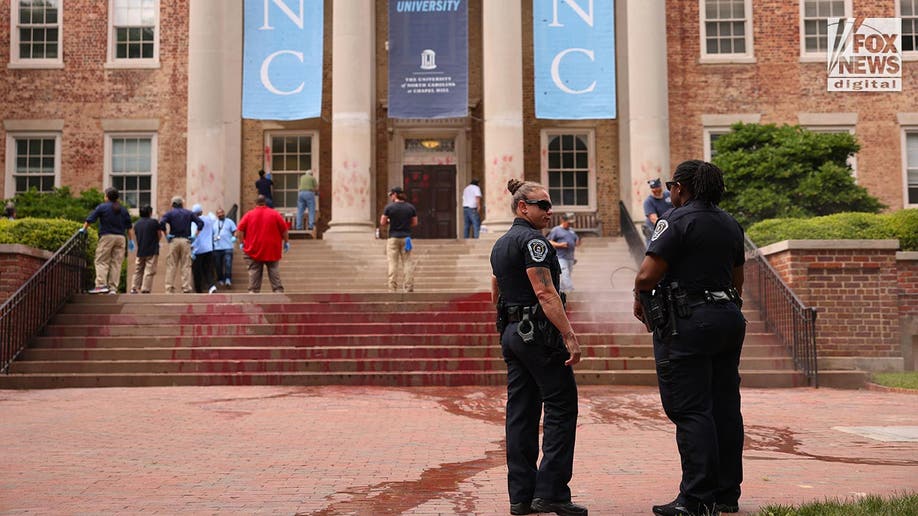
x=539, y=347
x=690, y=283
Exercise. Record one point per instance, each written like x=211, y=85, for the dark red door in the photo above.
x=432, y=191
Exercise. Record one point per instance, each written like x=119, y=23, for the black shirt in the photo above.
x=400, y=215
x=701, y=244
x=179, y=221
x=520, y=248
x=263, y=185
x=111, y=222
x=147, y=231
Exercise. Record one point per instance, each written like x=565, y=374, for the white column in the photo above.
x=502, y=49
x=643, y=99
x=353, y=121
x=214, y=143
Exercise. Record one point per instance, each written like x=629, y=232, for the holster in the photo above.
x=654, y=309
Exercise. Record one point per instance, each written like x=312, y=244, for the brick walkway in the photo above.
x=355, y=450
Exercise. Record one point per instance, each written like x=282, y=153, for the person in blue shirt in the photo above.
x=564, y=239
x=655, y=205
x=203, y=270
x=114, y=222
x=224, y=237
x=176, y=224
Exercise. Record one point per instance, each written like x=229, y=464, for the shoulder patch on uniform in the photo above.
x=538, y=249
x=661, y=227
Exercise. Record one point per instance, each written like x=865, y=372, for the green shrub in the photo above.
x=47, y=234
x=57, y=204
x=901, y=225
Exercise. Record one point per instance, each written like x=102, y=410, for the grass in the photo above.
x=871, y=505
x=906, y=380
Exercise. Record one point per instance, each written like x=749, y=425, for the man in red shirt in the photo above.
x=263, y=233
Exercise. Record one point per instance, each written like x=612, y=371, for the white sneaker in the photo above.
x=99, y=290
x=213, y=289
x=228, y=283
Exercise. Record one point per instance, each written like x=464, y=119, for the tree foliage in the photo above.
x=57, y=204
x=788, y=172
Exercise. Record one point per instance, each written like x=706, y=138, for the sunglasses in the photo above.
x=671, y=184
x=541, y=203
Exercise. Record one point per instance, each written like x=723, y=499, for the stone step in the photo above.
x=756, y=344
x=396, y=364
x=760, y=379
x=369, y=328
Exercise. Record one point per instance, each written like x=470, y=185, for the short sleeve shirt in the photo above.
x=469, y=196
x=400, y=215
x=111, y=221
x=701, y=245
x=519, y=249
x=559, y=234
x=264, y=234
x=658, y=206
x=147, y=231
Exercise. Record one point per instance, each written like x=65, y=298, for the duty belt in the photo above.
x=717, y=296
x=516, y=313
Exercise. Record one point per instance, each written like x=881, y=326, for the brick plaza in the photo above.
x=376, y=450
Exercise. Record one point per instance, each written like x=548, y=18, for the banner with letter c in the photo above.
x=282, y=64
x=574, y=48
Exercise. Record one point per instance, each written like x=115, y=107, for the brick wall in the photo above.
x=907, y=269
x=17, y=264
x=84, y=93
x=778, y=86
x=853, y=284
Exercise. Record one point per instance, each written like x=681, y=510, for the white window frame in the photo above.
x=590, y=132
x=831, y=123
x=154, y=158
x=15, y=60
x=747, y=57
x=905, y=131
x=911, y=55
x=114, y=62
x=815, y=57
x=721, y=124
x=11, y=137
x=314, y=159
x=707, y=131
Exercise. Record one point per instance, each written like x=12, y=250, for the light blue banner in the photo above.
x=574, y=43
x=282, y=65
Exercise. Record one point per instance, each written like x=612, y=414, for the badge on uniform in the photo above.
x=538, y=249
x=661, y=226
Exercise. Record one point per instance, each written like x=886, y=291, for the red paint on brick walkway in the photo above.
x=374, y=450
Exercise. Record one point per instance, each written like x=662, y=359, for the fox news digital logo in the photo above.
x=864, y=54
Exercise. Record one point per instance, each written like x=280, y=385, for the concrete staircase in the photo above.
x=337, y=325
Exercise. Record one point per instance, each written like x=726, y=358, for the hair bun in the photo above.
x=513, y=185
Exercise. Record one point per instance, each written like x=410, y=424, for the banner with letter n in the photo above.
x=282, y=64
x=428, y=59
x=574, y=47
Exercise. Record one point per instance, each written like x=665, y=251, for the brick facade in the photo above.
x=907, y=271
x=85, y=92
x=17, y=264
x=778, y=86
x=855, y=287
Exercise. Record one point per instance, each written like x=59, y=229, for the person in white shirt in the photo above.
x=471, y=210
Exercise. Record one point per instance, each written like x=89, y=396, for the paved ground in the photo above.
x=356, y=450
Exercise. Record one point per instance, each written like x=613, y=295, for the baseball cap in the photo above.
x=569, y=216
x=655, y=183
x=396, y=190
x=197, y=209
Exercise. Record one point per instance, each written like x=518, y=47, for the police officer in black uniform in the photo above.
x=539, y=347
x=688, y=289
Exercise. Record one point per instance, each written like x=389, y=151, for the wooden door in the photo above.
x=432, y=191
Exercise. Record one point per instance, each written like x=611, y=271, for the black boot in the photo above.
x=561, y=508
x=521, y=508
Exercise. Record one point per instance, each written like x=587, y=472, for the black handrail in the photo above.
x=30, y=308
x=636, y=245
x=783, y=312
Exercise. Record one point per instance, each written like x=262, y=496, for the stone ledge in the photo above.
x=788, y=245
x=872, y=364
x=25, y=250
x=906, y=255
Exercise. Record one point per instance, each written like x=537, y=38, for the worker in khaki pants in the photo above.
x=114, y=222
x=176, y=224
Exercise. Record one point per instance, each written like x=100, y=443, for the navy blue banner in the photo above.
x=428, y=58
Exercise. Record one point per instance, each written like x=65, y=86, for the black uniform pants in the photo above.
x=203, y=271
x=698, y=374
x=537, y=377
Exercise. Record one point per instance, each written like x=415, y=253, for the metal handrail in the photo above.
x=30, y=308
x=636, y=245
x=783, y=312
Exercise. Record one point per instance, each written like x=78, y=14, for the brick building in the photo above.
x=145, y=95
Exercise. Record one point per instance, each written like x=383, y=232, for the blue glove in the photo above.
x=242, y=246
x=192, y=256
x=81, y=230
x=190, y=240
x=286, y=246
x=408, y=244
x=131, y=246
x=268, y=176
x=233, y=239
x=169, y=237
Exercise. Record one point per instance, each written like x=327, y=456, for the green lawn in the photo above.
x=907, y=380
x=904, y=505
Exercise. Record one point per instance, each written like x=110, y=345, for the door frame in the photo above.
x=459, y=157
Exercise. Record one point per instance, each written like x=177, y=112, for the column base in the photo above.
x=494, y=228
x=350, y=231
